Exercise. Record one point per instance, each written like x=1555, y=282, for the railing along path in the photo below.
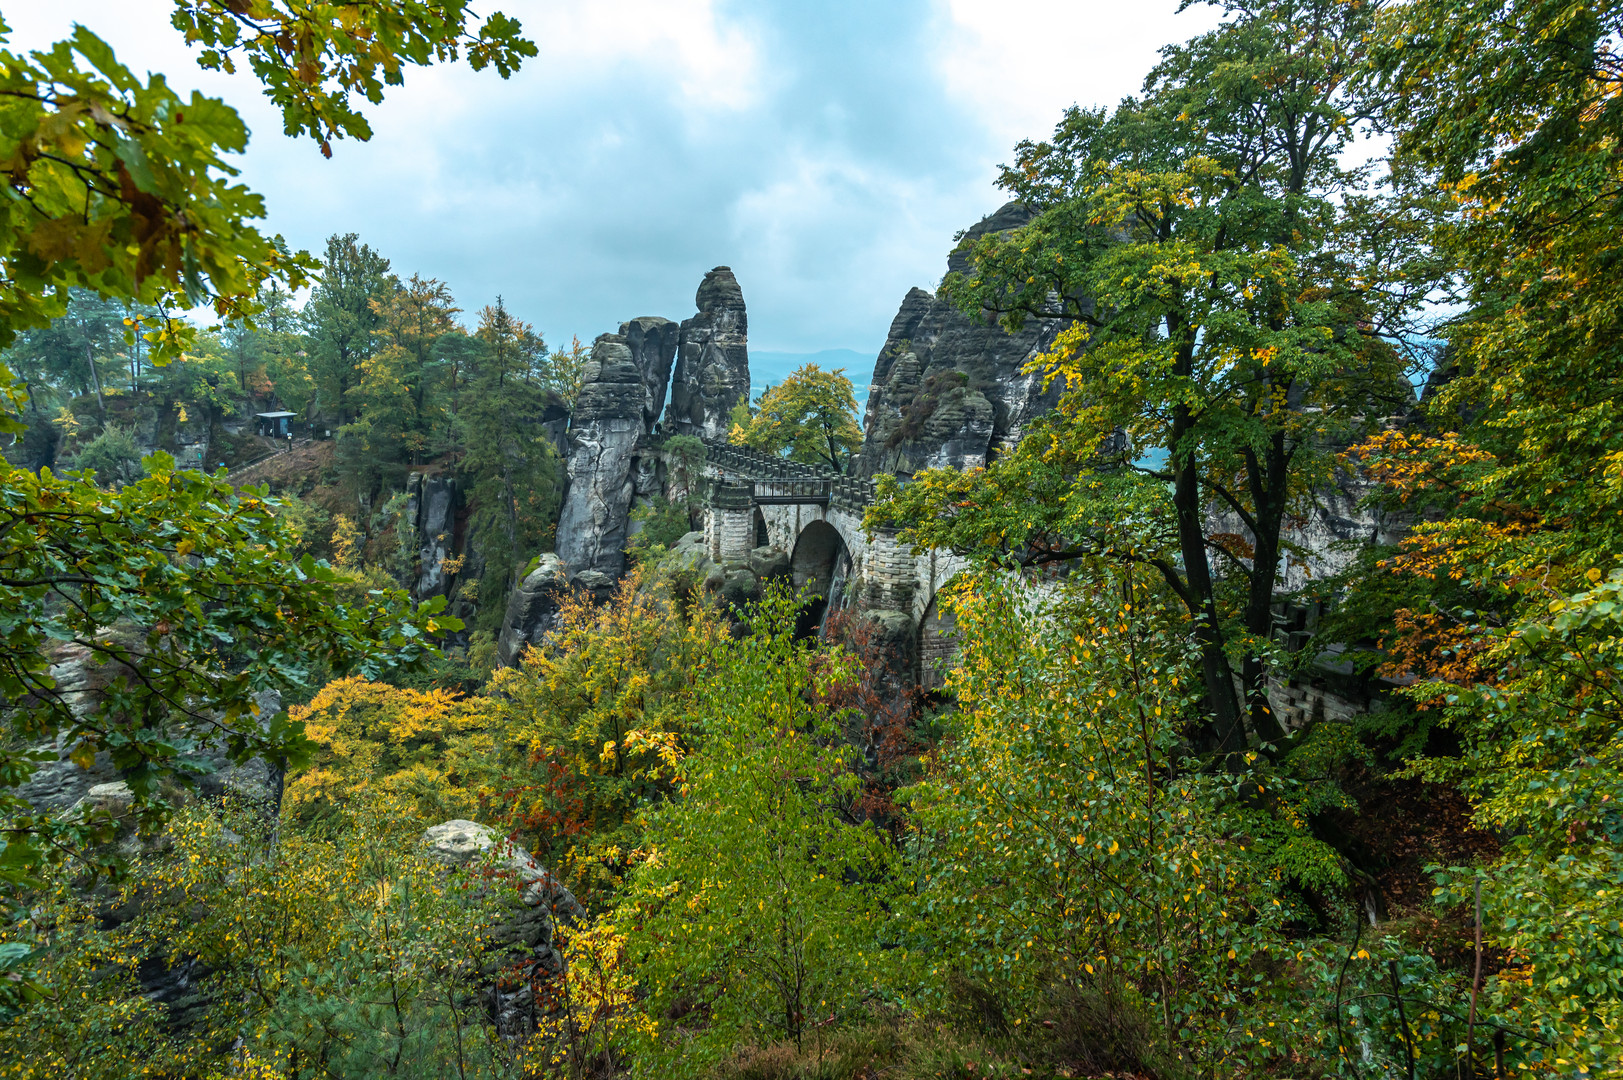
x=776, y=482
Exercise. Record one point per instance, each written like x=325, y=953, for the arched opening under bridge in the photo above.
x=819, y=564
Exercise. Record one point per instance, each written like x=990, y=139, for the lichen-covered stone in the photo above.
x=768, y=562
x=461, y=843
x=739, y=586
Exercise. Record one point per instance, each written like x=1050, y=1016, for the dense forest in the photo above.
x=281, y=794
x=377, y=372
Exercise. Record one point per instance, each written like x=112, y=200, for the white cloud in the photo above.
x=1017, y=67
x=826, y=151
x=713, y=63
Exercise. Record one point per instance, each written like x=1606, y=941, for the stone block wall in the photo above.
x=891, y=578
x=734, y=533
x=1301, y=700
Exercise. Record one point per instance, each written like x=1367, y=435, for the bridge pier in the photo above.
x=814, y=517
x=730, y=523
x=889, y=574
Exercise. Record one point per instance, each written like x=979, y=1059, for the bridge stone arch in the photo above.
x=815, y=561
x=815, y=518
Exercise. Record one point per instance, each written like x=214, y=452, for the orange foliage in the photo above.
x=1413, y=462
x=1427, y=645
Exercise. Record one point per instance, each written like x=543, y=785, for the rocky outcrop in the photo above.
x=712, y=364
x=60, y=785
x=436, y=505
x=603, y=436
x=948, y=392
x=525, y=935
x=653, y=342
x=532, y=608
x=608, y=465
x=460, y=844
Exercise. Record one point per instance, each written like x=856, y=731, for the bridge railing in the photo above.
x=774, y=491
x=775, y=481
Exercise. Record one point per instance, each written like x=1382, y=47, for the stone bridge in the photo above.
x=764, y=506
x=758, y=507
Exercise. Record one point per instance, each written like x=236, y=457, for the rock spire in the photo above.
x=712, y=364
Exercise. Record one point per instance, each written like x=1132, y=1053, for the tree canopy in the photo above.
x=810, y=417
x=1232, y=294
x=178, y=583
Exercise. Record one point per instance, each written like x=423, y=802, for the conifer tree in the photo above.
x=510, y=467
x=340, y=321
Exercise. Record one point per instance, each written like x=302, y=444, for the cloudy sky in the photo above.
x=826, y=150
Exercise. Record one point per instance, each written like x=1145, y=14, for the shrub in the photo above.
x=114, y=457
x=761, y=913
x=1064, y=851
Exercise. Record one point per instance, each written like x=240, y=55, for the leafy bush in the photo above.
x=663, y=522
x=593, y=723
x=415, y=753
x=1064, y=848
x=761, y=912
x=80, y=1011
x=114, y=456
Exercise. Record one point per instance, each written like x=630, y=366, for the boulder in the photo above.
x=948, y=392
x=689, y=552
x=115, y=798
x=768, y=562
x=595, y=584
x=739, y=586
x=460, y=843
x=532, y=608
x=712, y=363
x=60, y=785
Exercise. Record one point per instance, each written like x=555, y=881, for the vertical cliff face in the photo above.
x=712, y=364
x=623, y=391
x=436, y=530
x=608, y=466
x=653, y=342
x=603, y=436
x=948, y=392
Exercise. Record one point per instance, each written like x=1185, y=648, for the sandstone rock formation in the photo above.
x=603, y=436
x=607, y=465
x=532, y=608
x=60, y=786
x=653, y=342
x=436, y=527
x=712, y=366
x=460, y=843
x=948, y=392
x=527, y=936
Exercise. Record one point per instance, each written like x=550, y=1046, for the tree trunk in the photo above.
x=1268, y=481
x=1228, y=731
x=95, y=381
